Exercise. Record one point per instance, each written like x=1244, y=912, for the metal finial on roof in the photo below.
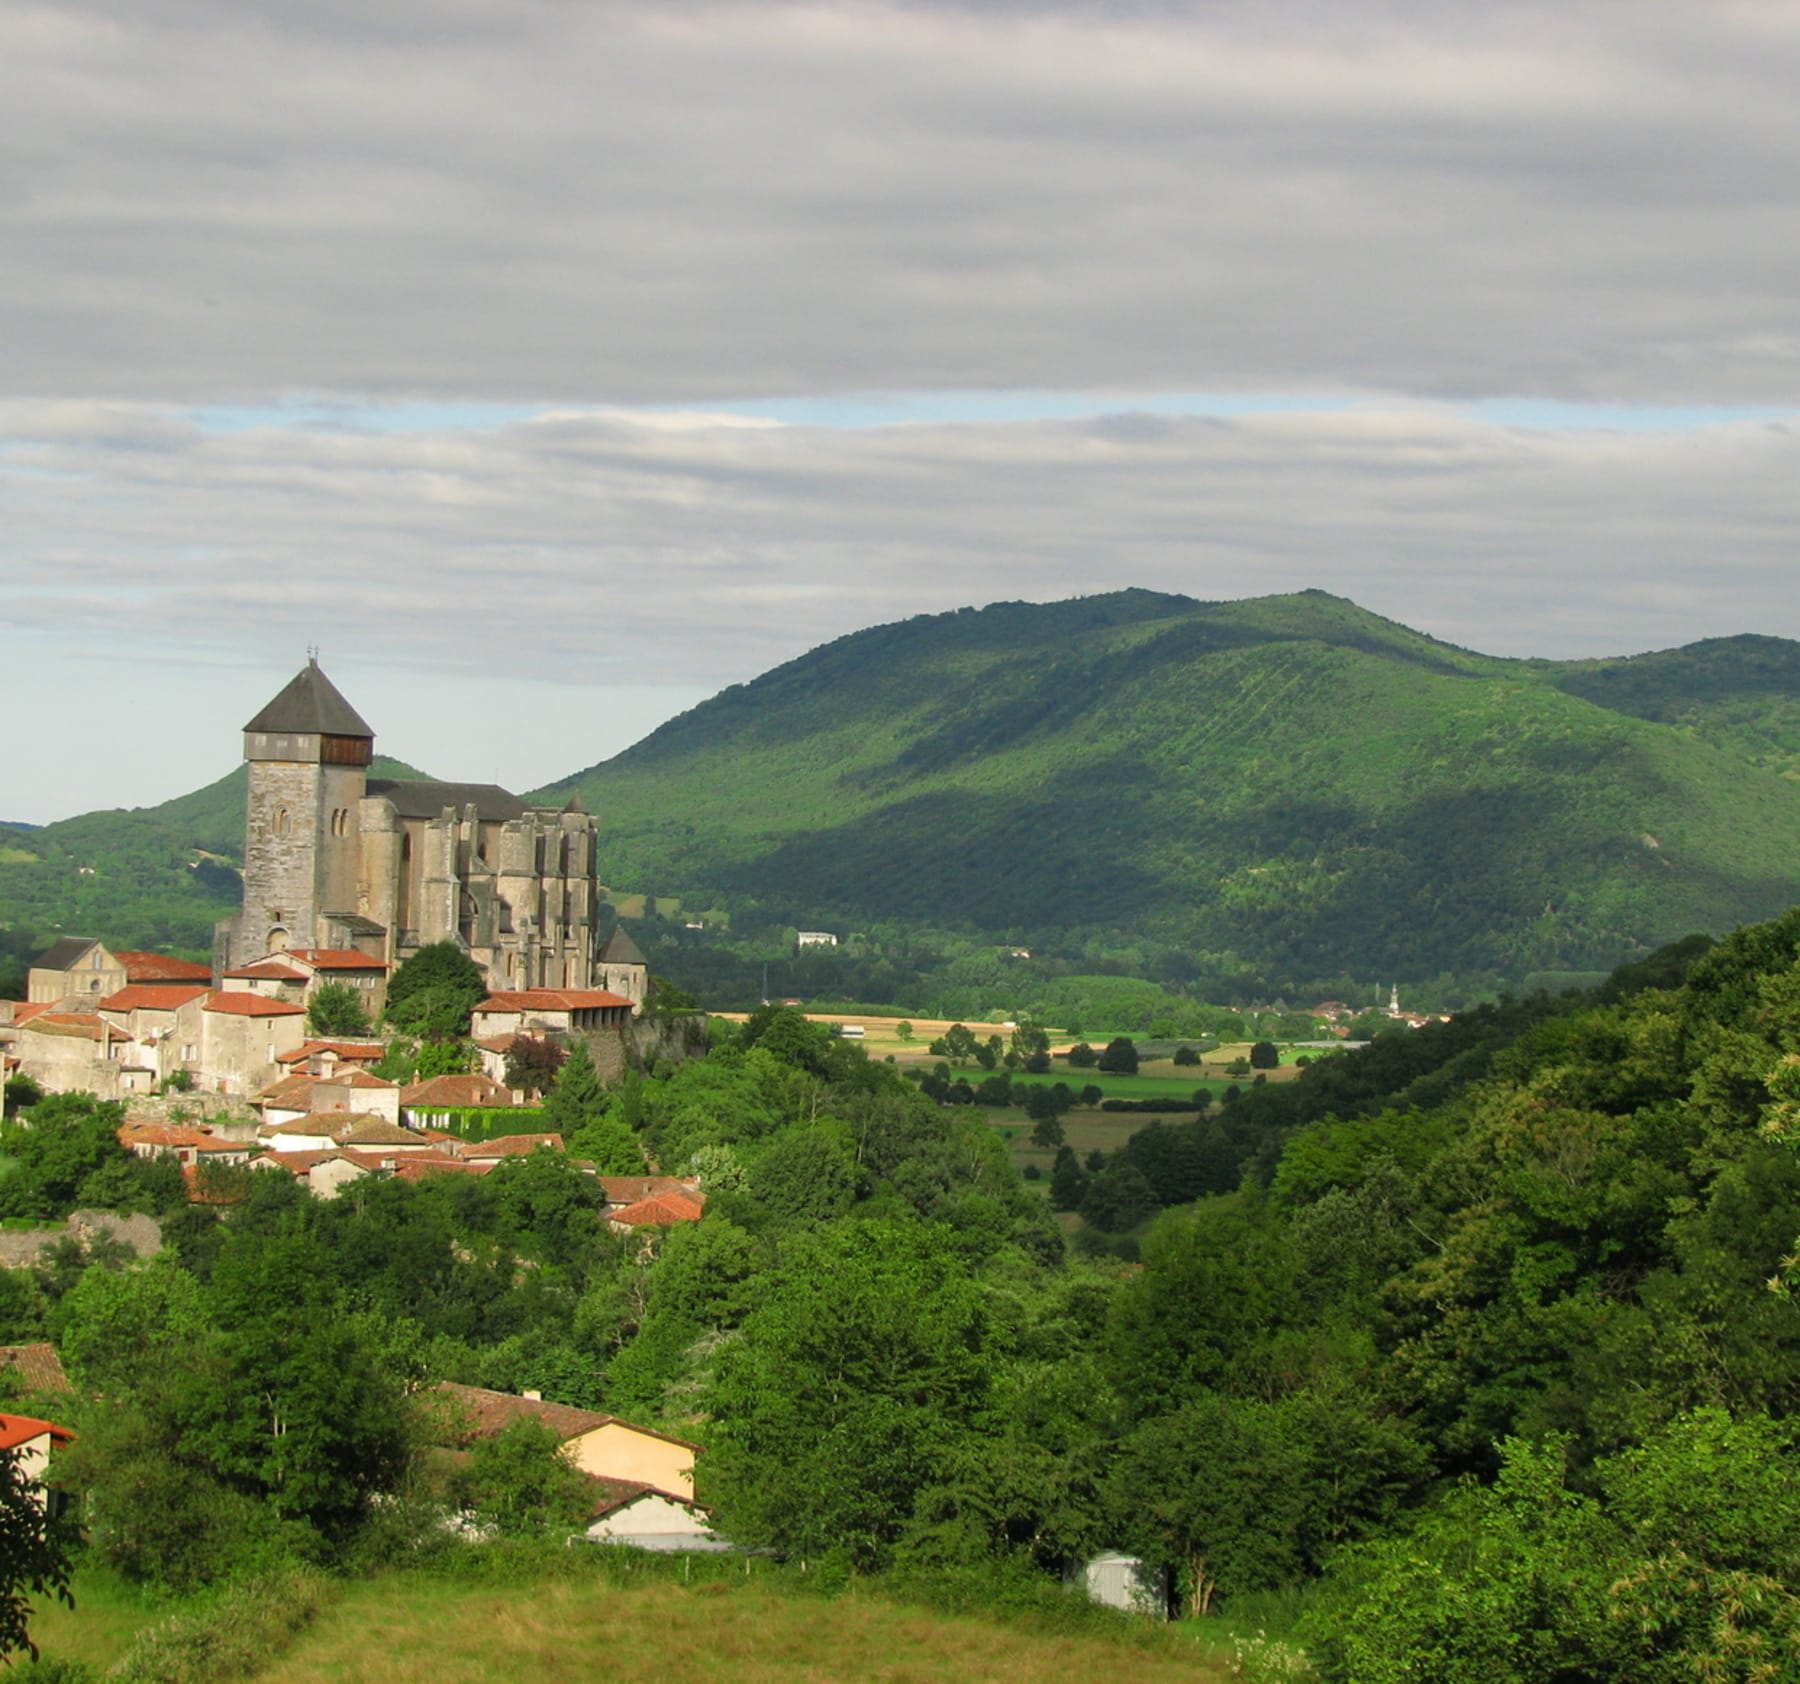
x=312, y=654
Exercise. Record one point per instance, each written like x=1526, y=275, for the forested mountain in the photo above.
x=1285, y=788
x=1289, y=782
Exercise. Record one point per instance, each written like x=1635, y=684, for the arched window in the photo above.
x=281, y=821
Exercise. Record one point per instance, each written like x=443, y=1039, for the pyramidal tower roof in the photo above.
x=620, y=949
x=311, y=703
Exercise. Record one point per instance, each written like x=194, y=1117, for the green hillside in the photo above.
x=1290, y=781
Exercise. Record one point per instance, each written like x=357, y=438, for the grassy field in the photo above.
x=107, y=1614
x=421, y=1631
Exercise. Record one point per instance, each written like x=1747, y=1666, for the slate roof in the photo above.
x=620, y=949
x=60, y=955
x=311, y=703
x=37, y=1365
x=159, y=967
x=423, y=798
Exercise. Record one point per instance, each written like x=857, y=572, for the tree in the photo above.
x=1120, y=1056
x=1082, y=1056
x=1186, y=1056
x=34, y=1555
x=1265, y=1055
x=903, y=1031
x=521, y=1481
x=577, y=1097
x=335, y=1009
x=957, y=1043
x=434, y=991
x=1068, y=1181
x=532, y=1063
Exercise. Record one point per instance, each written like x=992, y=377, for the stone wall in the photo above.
x=19, y=1248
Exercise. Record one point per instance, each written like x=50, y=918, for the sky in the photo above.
x=548, y=365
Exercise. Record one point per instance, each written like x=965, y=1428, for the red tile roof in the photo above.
x=159, y=967
x=662, y=1210
x=348, y=1052
x=38, y=1366
x=628, y=1189
x=550, y=1000
x=22, y=1429
x=251, y=1005
x=266, y=970
x=474, y=1412
x=146, y=996
x=24, y=1011
x=443, y=1092
x=363, y=1079
x=336, y=959
x=171, y=1135
x=415, y=1166
x=511, y=1145
x=82, y=1025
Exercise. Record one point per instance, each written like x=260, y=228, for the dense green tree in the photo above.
x=865, y=1362
x=520, y=1481
x=1265, y=1055
x=432, y=994
x=533, y=1062
x=577, y=1097
x=1082, y=1056
x=336, y=1009
x=1120, y=1056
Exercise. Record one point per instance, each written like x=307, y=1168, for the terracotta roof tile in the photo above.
x=662, y=1210
x=22, y=1429
x=266, y=970
x=348, y=1052
x=159, y=967
x=550, y=1000
x=337, y=959
x=154, y=997
x=511, y=1145
x=38, y=1365
x=251, y=1005
x=448, y=1091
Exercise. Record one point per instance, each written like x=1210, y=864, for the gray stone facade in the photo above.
x=335, y=859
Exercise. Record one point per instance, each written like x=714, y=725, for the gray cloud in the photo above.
x=699, y=551
x=651, y=203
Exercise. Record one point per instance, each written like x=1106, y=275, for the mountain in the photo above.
x=1290, y=782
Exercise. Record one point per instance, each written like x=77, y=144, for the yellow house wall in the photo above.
x=617, y=1451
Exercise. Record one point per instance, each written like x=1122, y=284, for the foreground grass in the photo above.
x=407, y=1630
x=107, y=1615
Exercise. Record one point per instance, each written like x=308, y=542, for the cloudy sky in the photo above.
x=549, y=366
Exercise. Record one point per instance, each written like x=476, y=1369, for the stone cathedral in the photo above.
x=334, y=858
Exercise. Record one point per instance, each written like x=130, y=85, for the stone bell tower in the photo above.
x=308, y=753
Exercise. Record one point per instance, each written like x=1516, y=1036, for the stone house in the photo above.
x=166, y=1023
x=31, y=1441
x=73, y=967
x=243, y=1036
x=79, y=1052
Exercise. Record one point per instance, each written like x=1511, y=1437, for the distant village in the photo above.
x=345, y=877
